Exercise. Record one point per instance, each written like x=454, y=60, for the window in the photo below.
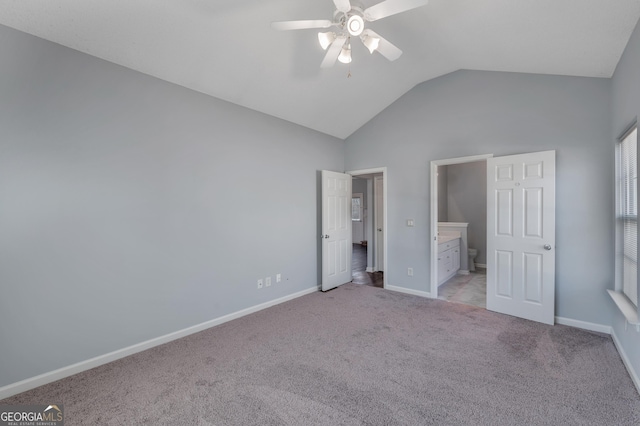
x=627, y=217
x=356, y=207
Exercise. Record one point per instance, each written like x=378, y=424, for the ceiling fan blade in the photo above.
x=342, y=5
x=385, y=48
x=301, y=25
x=391, y=7
x=333, y=52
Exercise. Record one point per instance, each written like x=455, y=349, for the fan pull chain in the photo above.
x=349, y=74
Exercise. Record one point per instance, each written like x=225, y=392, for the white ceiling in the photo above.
x=227, y=49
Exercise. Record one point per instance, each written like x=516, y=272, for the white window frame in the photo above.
x=361, y=197
x=620, y=297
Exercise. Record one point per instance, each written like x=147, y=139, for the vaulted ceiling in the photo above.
x=227, y=48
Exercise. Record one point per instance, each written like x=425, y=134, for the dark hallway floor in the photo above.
x=359, y=268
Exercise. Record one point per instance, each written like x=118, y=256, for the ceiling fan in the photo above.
x=350, y=22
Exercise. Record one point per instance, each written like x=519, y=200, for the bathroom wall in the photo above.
x=467, y=202
x=442, y=194
x=462, y=197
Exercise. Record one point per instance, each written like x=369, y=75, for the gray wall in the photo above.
x=119, y=194
x=360, y=185
x=443, y=195
x=467, y=202
x=625, y=109
x=132, y=208
x=473, y=112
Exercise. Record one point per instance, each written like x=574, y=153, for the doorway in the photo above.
x=369, y=203
x=462, y=211
x=520, y=236
x=458, y=209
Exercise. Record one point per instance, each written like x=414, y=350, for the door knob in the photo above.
x=379, y=229
x=326, y=236
x=547, y=247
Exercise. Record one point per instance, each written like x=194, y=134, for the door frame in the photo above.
x=379, y=170
x=433, y=293
x=376, y=238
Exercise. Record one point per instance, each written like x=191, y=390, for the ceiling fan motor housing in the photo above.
x=352, y=21
x=355, y=25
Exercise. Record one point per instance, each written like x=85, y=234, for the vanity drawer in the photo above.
x=448, y=245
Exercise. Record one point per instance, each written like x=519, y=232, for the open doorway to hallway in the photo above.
x=359, y=268
x=368, y=229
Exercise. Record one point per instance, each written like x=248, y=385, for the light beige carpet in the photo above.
x=360, y=355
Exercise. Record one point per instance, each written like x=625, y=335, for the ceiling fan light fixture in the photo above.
x=370, y=42
x=326, y=39
x=355, y=25
x=350, y=20
x=345, y=54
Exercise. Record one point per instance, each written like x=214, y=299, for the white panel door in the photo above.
x=521, y=235
x=336, y=229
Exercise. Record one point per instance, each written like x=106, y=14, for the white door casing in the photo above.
x=336, y=229
x=521, y=236
x=379, y=222
x=371, y=232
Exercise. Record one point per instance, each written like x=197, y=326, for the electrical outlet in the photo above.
x=278, y=278
x=260, y=283
x=267, y=282
x=410, y=272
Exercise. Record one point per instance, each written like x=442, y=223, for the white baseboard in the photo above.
x=408, y=291
x=463, y=272
x=61, y=373
x=607, y=330
x=481, y=265
x=370, y=269
x=584, y=325
x=625, y=360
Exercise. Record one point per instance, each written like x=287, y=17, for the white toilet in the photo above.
x=472, y=257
